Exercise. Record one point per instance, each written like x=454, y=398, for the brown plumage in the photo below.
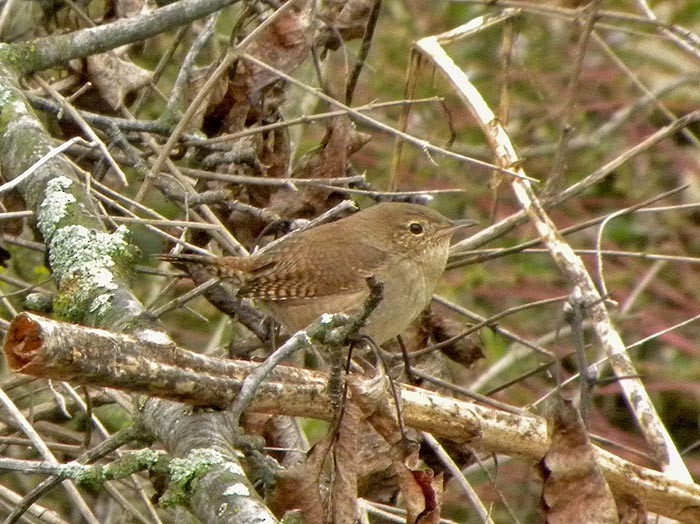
x=324, y=269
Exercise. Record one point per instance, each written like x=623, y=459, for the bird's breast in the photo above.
x=408, y=284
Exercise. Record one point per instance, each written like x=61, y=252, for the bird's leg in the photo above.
x=337, y=388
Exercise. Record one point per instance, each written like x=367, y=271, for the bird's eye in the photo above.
x=415, y=228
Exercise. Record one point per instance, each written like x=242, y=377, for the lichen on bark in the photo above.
x=83, y=262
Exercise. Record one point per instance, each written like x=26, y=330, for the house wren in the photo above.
x=324, y=269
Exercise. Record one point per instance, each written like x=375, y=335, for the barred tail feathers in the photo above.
x=214, y=266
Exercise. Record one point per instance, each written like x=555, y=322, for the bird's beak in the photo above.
x=461, y=224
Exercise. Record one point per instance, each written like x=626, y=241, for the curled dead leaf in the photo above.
x=574, y=488
x=115, y=77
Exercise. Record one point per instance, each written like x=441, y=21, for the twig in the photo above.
x=169, y=371
x=94, y=139
x=664, y=450
x=45, y=452
x=459, y=477
x=421, y=144
x=568, y=102
x=364, y=50
x=12, y=184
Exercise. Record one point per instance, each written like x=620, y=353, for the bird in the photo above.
x=324, y=269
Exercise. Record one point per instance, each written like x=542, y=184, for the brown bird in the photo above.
x=324, y=269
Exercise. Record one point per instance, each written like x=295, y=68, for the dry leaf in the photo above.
x=298, y=486
x=345, y=451
x=284, y=45
x=574, y=488
x=464, y=351
x=378, y=436
x=213, y=98
x=376, y=477
x=328, y=161
x=432, y=486
x=346, y=20
x=421, y=489
x=115, y=78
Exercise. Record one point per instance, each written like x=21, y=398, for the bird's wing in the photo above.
x=298, y=275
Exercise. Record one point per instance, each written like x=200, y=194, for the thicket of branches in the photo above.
x=129, y=129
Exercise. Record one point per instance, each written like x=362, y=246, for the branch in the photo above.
x=90, y=267
x=93, y=475
x=663, y=449
x=50, y=349
x=50, y=51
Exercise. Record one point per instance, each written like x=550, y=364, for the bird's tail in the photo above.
x=214, y=266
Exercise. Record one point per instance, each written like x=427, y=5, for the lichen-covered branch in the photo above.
x=50, y=51
x=205, y=476
x=179, y=473
x=53, y=349
x=90, y=265
x=93, y=475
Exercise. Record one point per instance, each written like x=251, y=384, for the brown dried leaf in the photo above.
x=432, y=363
x=328, y=161
x=420, y=488
x=331, y=159
x=378, y=436
x=379, y=409
x=574, y=488
x=115, y=78
x=275, y=153
x=344, y=488
x=299, y=486
x=422, y=491
x=346, y=20
x=284, y=45
x=215, y=96
x=376, y=478
x=432, y=486
x=464, y=351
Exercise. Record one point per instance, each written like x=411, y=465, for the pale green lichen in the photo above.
x=83, y=262
x=75, y=471
x=99, y=304
x=195, y=464
x=149, y=457
x=94, y=476
x=5, y=95
x=223, y=508
x=78, y=249
x=19, y=108
x=10, y=99
x=238, y=489
x=42, y=302
x=186, y=470
x=232, y=467
x=55, y=205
